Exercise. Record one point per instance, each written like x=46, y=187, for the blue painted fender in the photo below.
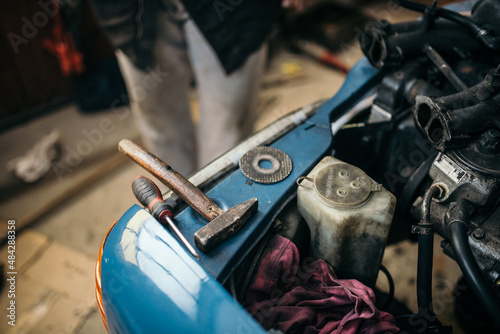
x=150, y=284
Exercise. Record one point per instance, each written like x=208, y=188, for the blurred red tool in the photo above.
x=322, y=54
x=62, y=45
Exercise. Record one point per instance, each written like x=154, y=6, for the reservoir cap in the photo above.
x=344, y=185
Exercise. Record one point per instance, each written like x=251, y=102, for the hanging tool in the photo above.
x=62, y=45
x=222, y=224
x=148, y=194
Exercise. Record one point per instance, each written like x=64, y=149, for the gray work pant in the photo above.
x=159, y=96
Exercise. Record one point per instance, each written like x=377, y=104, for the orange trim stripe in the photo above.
x=98, y=290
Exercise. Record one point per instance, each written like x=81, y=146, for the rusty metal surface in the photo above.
x=189, y=193
x=225, y=225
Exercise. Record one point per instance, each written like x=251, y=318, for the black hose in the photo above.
x=390, y=295
x=440, y=12
x=388, y=48
x=425, y=257
x=424, y=273
x=492, y=42
x=472, y=273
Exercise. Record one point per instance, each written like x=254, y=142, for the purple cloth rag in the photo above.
x=310, y=298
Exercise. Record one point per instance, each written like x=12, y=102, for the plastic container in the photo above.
x=349, y=216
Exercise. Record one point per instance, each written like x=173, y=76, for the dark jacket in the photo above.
x=234, y=28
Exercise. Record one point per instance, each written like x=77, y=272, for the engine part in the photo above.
x=398, y=90
x=462, y=129
x=444, y=68
x=387, y=45
x=482, y=10
x=470, y=313
x=480, y=191
x=482, y=153
x=280, y=165
x=450, y=121
x=349, y=216
x=446, y=31
x=458, y=227
x=483, y=191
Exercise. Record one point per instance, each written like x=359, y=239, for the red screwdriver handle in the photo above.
x=148, y=194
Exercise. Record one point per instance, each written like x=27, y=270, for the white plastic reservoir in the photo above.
x=349, y=216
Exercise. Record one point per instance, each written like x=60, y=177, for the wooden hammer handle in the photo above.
x=187, y=191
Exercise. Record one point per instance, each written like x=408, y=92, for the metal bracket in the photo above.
x=415, y=229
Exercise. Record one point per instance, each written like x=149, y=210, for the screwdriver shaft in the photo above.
x=182, y=238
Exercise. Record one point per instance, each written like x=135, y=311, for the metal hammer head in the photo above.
x=225, y=225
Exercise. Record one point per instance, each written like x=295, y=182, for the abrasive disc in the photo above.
x=264, y=164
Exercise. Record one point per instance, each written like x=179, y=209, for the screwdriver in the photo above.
x=148, y=194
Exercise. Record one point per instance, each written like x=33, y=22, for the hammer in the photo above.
x=221, y=224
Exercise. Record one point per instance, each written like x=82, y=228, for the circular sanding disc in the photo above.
x=253, y=165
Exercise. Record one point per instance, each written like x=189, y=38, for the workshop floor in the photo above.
x=56, y=252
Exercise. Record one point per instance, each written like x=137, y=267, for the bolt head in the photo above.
x=490, y=141
x=478, y=233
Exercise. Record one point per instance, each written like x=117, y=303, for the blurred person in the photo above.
x=163, y=44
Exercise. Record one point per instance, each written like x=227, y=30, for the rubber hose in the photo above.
x=440, y=12
x=492, y=42
x=424, y=274
x=425, y=258
x=472, y=272
x=390, y=294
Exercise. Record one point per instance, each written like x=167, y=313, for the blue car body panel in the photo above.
x=150, y=283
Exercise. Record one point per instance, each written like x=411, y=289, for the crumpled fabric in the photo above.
x=310, y=298
x=37, y=161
